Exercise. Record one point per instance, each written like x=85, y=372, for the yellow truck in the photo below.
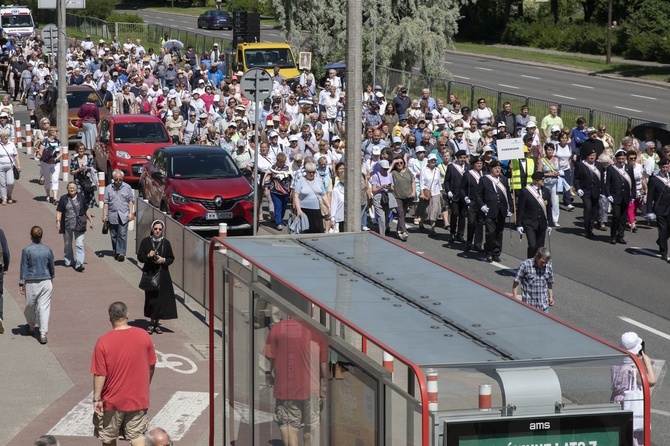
x=266, y=55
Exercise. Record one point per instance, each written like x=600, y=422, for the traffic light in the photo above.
x=246, y=27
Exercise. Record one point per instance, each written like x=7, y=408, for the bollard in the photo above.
x=388, y=361
x=29, y=140
x=223, y=233
x=65, y=164
x=431, y=387
x=19, y=140
x=101, y=189
x=484, y=397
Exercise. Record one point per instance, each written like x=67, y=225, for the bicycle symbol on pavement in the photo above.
x=177, y=363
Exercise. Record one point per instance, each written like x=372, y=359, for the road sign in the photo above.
x=256, y=84
x=50, y=38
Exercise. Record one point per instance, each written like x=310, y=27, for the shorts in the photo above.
x=297, y=414
x=114, y=423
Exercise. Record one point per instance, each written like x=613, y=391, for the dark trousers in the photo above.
x=280, y=201
x=590, y=212
x=535, y=239
x=475, y=226
x=403, y=205
x=494, y=227
x=457, y=217
x=567, y=176
x=619, y=219
x=662, y=222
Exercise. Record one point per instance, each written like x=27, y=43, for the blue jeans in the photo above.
x=68, y=236
x=280, y=201
x=364, y=215
x=119, y=235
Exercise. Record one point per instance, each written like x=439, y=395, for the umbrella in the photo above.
x=173, y=44
x=335, y=66
x=661, y=131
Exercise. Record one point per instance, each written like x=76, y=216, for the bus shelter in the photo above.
x=349, y=339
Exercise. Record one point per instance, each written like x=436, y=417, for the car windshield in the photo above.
x=269, y=58
x=223, y=14
x=202, y=165
x=77, y=98
x=16, y=21
x=134, y=132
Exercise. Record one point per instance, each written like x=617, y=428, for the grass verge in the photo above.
x=621, y=69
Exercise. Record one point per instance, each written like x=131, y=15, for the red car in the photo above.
x=126, y=142
x=199, y=186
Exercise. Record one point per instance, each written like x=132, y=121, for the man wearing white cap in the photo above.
x=626, y=378
x=293, y=148
x=275, y=147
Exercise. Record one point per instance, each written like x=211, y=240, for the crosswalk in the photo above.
x=176, y=416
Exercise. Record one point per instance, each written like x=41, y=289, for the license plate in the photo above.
x=218, y=215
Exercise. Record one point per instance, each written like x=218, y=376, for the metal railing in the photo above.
x=389, y=79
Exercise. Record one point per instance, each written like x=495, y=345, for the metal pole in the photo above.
x=608, y=56
x=256, y=127
x=374, y=47
x=61, y=102
x=352, y=181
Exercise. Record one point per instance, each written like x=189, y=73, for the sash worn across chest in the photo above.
x=538, y=197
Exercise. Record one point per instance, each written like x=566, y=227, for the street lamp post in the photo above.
x=608, y=56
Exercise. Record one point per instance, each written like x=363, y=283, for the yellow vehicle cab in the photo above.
x=266, y=55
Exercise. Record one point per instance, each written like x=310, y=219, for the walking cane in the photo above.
x=549, y=240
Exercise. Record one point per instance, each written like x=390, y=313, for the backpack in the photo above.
x=145, y=106
x=48, y=153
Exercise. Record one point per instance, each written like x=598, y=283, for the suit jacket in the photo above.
x=588, y=181
x=616, y=185
x=529, y=213
x=452, y=181
x=490, y=195
x=658, y=197
x=469, y=185
x=589, y=144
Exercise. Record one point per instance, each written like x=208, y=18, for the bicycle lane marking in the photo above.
x=173, y=361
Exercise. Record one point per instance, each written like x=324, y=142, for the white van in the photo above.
x=17, y=21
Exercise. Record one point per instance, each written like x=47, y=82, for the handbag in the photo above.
x=633, y=400
x=384, y=198
x=150, y=281
x=105, y=227
x=79, y=123
x=80, y=224
x=323, y=207
x=15, y=169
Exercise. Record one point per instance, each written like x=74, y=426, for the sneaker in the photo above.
x=121, y=258
x=556, y=225
x=365, y=228
x=570, y=207
x=2, y=327
x=79, y=268
x=43, y=339
x=279, y=227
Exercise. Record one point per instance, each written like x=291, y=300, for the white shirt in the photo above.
x=430, y=179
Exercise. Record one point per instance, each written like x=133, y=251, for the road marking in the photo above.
x=447, y=62
x=508, y=86
x=645, y=327
x=176, y=416
x=660, y=412
x=180, y=412
x=78, y=422
x=582, y=86
x=629, y=109
x=646, y=251
x=531, y=77
x=643, y=97
x=485, y=69
x=173, y=362
x=461, y=77
x=564, y=97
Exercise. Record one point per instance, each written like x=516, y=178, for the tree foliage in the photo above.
x=409, y=33
x=99, y=9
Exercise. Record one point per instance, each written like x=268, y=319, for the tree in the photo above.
x=409, y=33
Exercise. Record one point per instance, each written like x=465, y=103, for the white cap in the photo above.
x=419, y=149
x=555, y=128
x=631, y=342
x=293, y=138
x=531, y=124
x=384, y=164
x=376, y=150
x=272, y=134
x=441, y=121
x=379, y=94
x=432, y=156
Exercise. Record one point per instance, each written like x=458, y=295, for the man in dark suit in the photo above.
x=495, y=201
x=533, y=214
x=588, y=181
x=658, y=204
x=452, y=187
x=469, y=184
x=592, y=143
x=619, y=186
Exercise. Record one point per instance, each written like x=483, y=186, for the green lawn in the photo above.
x=627, y=70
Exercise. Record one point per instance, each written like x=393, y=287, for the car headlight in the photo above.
x=178, y=199
x=122, y=154
x=249, y=196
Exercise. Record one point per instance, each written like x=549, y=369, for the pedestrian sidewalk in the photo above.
x=46, y=386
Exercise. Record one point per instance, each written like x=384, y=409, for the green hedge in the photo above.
x=575, y=37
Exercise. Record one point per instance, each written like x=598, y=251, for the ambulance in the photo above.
x=16, y=21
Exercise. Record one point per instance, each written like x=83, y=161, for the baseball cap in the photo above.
x=432, y=156
x=396, y=139
x=272, y=134
x=379, y=94
x=384, y=164
x=555, y=128
x=402, y=116
x=241, y=143
x=293, y=138
x=591, y=130
x=531, y=124
x=501, y=124
x=376, y=150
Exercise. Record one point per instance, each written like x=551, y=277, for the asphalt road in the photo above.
x=624, y=97
x=605, y=289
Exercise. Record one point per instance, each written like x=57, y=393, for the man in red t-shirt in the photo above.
x=298, y=371
x=122, y=366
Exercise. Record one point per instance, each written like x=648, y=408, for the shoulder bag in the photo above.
x=151, y=280
x=15, y=169
x=323, y=207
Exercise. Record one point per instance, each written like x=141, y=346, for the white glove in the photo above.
x=509, y=214
x=450, y=195
x=519, y=230
x=485, y=209
x=611, y=199
x=580, y=192
x=651, y=217
x=467, y=200
x=549, y=229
